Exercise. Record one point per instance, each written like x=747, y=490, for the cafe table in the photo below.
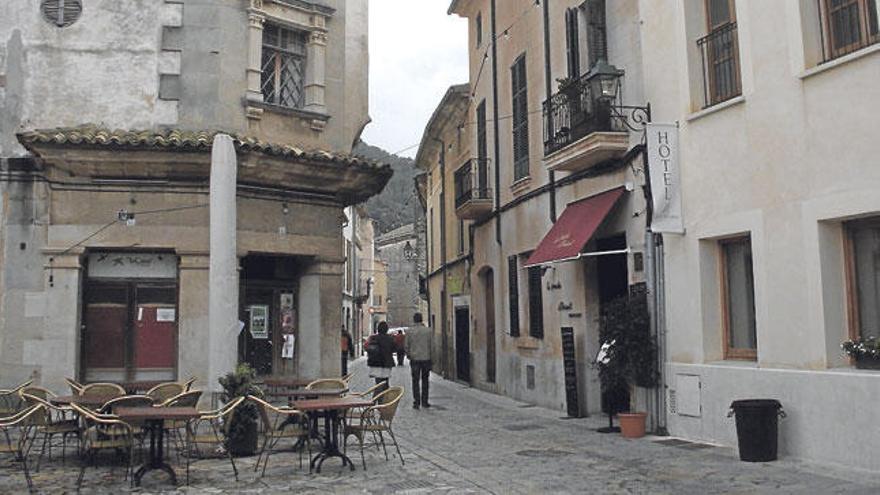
x=153, y=419
x=87, y=401
x=330, y=408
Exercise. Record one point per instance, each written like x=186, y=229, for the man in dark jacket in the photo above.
x=347, y=348
x=380, y=355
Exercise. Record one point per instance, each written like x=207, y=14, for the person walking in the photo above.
x=347, y=348
x=380, y=355
x=399, y=345
x=419, y=348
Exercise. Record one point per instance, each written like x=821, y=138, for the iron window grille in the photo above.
x=847, y=26
x=283, y=68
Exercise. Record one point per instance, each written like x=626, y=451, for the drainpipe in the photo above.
x=223, y=271
x=444, y=296
x=548, y=90
x=496, y=128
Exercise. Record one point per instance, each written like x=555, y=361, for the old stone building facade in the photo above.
x=555, y=198
x=403, y=253
x=113, y=233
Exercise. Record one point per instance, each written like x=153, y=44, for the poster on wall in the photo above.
x=288, y=347
x=259, y=326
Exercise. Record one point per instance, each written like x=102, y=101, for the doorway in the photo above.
x=489, y=310
x=463, y=343
x=613, y=278
x=268, y=310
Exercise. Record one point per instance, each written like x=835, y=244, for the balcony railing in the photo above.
x=574, y=113
x=720, y=55
x=471, y=182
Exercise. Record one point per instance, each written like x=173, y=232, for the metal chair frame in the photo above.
x=218, y=420
x=103, y=432
x=326, y=384
x=376, y=419
x=53, y=420
x=279, y=423
x=19, y=445
x=10, y=401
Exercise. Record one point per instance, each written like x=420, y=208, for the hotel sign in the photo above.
x=663, y=165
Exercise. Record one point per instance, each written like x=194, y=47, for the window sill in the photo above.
x=521, y=185
x=528, y=343
x=735, y=363
x=837, y=62
x=297, y=112
x=716, y=108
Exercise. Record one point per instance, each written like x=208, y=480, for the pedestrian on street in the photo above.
x=399, y=345
x=347, y=349
x=419, y=348
x=380, y=355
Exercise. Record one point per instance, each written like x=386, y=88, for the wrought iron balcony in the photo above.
x=581, y=129
x=473, y=198
x=719, y=51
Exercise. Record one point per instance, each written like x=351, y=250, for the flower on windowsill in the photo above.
x=868, y=347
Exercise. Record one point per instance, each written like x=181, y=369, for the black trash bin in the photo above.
x=757, y=428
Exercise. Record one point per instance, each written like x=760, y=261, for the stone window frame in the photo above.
x=731, y=352
x=298, y=15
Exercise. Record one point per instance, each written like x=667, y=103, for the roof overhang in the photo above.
x=174, y=156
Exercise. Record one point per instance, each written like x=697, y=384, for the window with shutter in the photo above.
x=571, y=43
x=536, y=303
x=61, y=13
x=482, y=150
x=597, y=37
x=520, y=119
x=513, y=296
x=284, y=66
x=849, y=25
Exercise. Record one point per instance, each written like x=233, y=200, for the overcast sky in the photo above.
x=416, y=53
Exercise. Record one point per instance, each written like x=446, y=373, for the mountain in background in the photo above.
x=397, y=205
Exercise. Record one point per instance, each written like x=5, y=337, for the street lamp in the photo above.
x=604, y=81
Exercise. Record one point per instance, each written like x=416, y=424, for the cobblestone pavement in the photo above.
x=472, y=442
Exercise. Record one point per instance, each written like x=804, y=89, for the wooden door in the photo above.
x=489, y=285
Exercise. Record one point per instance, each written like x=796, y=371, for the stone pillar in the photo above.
x=316, y=49
x=320, y=311
x=55, y=354
x=255, y=63
x=193, y=329
x=223, y=272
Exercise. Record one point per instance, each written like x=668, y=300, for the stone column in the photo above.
x=55, y=354
x=316, y=52
x=320, y=314
x=193, y=329
x=223, y=272
x=255, y=64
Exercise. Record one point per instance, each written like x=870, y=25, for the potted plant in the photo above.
x=865, y=351
x=630, y=353
x=242, y=431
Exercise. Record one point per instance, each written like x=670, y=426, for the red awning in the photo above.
x=574, y=228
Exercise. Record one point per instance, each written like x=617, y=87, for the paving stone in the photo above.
x=472, y=442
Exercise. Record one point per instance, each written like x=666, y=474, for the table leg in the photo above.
x=331, y=443
x=156, y=459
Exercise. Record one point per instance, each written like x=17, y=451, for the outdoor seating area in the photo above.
x=103, y=428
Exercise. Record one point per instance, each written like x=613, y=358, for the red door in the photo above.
x=154, y=339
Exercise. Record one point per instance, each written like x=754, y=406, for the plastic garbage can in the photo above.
x=757, y=428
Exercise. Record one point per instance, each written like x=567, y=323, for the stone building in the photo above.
x=400, y=250
x=121, y=126
x=360, y=258
x=779, y=260
x=552, y=187
x=445, y=155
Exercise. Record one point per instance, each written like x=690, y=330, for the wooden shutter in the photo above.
x=513, y=296
x=536, y=303
x=482, y=150
x=520, y=118
x=571, y=43
x=596, y=31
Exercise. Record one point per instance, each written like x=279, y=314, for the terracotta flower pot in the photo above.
x=632, y=425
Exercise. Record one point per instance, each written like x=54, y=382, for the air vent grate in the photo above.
x=61, y=13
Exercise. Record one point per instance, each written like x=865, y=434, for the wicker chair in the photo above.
x=51, y=421
x=174, y=427
x=110, y=389
x=211, y=428
x=376, y=420
x=164, y=391
x=10, y=400
x=187, y=385
x=16, y=438
x=354, y=413
x=76, y=387
x=347, y=378
x=327, y=384
x=277, y=424
x=103, y=432
x=126, y=401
